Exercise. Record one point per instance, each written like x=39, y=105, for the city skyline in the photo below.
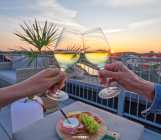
x=129, y=25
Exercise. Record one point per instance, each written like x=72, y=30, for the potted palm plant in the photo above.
x=40, y=36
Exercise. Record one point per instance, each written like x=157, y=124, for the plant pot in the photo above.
x=25, y=112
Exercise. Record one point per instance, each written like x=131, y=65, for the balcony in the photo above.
x=127, y=104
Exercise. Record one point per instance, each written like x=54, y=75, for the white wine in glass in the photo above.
x=98, y=58
x=98, y=53
x=66, y=53
x=66, y=59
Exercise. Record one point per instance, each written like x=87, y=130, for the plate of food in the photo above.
x=81, y=125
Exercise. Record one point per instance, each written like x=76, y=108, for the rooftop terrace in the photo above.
x=86, y=90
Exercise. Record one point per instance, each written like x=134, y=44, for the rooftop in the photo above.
x=86, y=89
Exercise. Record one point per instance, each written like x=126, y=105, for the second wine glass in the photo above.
x=98, y=53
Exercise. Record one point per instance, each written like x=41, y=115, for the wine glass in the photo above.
x=98, y=52
x=66, y=54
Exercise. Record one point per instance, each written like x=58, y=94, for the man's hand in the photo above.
x=128, y=79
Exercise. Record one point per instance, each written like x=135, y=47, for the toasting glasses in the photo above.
x=66, y=53
x=98, y=53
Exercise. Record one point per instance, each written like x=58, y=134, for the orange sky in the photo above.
x=136, y=45
x=119, y=42
x=136, y=40
x=142, y=38
x=130, y=25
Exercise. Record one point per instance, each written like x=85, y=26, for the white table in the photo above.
x=45, y=128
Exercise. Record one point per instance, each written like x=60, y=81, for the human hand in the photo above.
x=128, y=79
x=50, y=78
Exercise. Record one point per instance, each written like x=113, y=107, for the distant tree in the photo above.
x=152, y=52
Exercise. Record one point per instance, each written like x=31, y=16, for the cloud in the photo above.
x=145, y=23
x=126, y=3
x=108, y=31
x=52, y=7
x=123, y=3
x=49, y=10
x=13, y=13
x=142, y=24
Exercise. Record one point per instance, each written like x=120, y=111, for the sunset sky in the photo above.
x=130, y=25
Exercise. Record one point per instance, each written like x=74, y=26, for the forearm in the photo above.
x=146, y=89
x=14, y=92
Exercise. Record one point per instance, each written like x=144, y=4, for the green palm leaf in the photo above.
x=38, y=35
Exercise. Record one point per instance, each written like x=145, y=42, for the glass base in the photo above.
x=109, y=92
x=58, y=96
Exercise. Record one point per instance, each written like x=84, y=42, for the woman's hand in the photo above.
x=51, y=79
x=128, y=79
